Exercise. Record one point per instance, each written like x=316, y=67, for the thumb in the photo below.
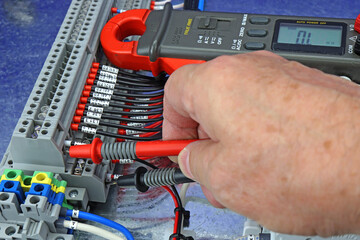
x=195, y=159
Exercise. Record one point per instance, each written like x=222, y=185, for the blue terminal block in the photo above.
x=40, y=190
x=52, y=196
x=13, y=187
x=59, y=198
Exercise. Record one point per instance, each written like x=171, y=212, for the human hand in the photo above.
x=281, y=140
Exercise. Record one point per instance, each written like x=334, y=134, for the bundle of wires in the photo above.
x=179, y=210
x=129, y=103
x=95, y=230
x=132, y=105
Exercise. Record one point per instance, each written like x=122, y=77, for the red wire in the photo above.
x=176, y=206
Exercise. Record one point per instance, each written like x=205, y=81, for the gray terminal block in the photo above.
x=38, y=139
x=77, y=197
x=39, y=208
x=10, y=208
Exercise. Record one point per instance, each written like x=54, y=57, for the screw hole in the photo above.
x=10, y=231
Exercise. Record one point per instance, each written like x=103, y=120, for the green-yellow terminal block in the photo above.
x=60, y=189
x=63, y=183
x=13, y=175
x=60, y=186
x=26, y=183
x=42, y=177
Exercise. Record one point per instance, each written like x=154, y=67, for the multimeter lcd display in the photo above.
x=319, y=35
x=309, y=36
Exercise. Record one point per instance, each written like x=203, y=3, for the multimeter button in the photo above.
x=256, y=33
x=254, y=45
x=259, y=20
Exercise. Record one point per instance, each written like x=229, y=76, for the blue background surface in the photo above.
x=29, y=27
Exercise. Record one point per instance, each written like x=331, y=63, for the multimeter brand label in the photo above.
x=88, y=130
x=94, y=115
x=97, y=102
x=96, y=109
x=92, y=121
x=110, y=69
x=103, y=90
x=107, y=79
x=102, y=96
x=105, y=85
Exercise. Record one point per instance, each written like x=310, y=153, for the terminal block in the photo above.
x=44, y=126
x=30, y=210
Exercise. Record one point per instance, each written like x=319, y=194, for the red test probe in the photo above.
x=98, y=150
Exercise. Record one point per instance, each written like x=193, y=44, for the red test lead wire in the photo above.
x=142, y=149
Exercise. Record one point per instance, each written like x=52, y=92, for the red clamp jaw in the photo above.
x=124, y=54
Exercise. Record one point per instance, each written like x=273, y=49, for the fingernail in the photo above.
x=183, y=159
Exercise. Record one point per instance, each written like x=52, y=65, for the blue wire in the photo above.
x=152, y=92
x=102, y=220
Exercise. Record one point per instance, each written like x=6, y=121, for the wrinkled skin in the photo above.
x=281, y=140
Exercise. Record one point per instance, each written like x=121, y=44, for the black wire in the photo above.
x=145, y=163
x=116, y=125
x=138, y=84
x=138, y=89
x=137, y=95
x=132, y=82
x=147, y=113
x=118, y=105
x=135, y=101
x=137, y=75
x=124, y=99
x=157, y=129
x=127, y=137
x=138, y=101
x=134, y=95
x=178, y=227
x=112, y=117
x=173, y=188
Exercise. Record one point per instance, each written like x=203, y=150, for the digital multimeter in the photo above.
x=170, y=39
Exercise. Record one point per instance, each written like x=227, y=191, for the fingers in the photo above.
x=177, y=123
x=210, y=197
x=196, y=159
